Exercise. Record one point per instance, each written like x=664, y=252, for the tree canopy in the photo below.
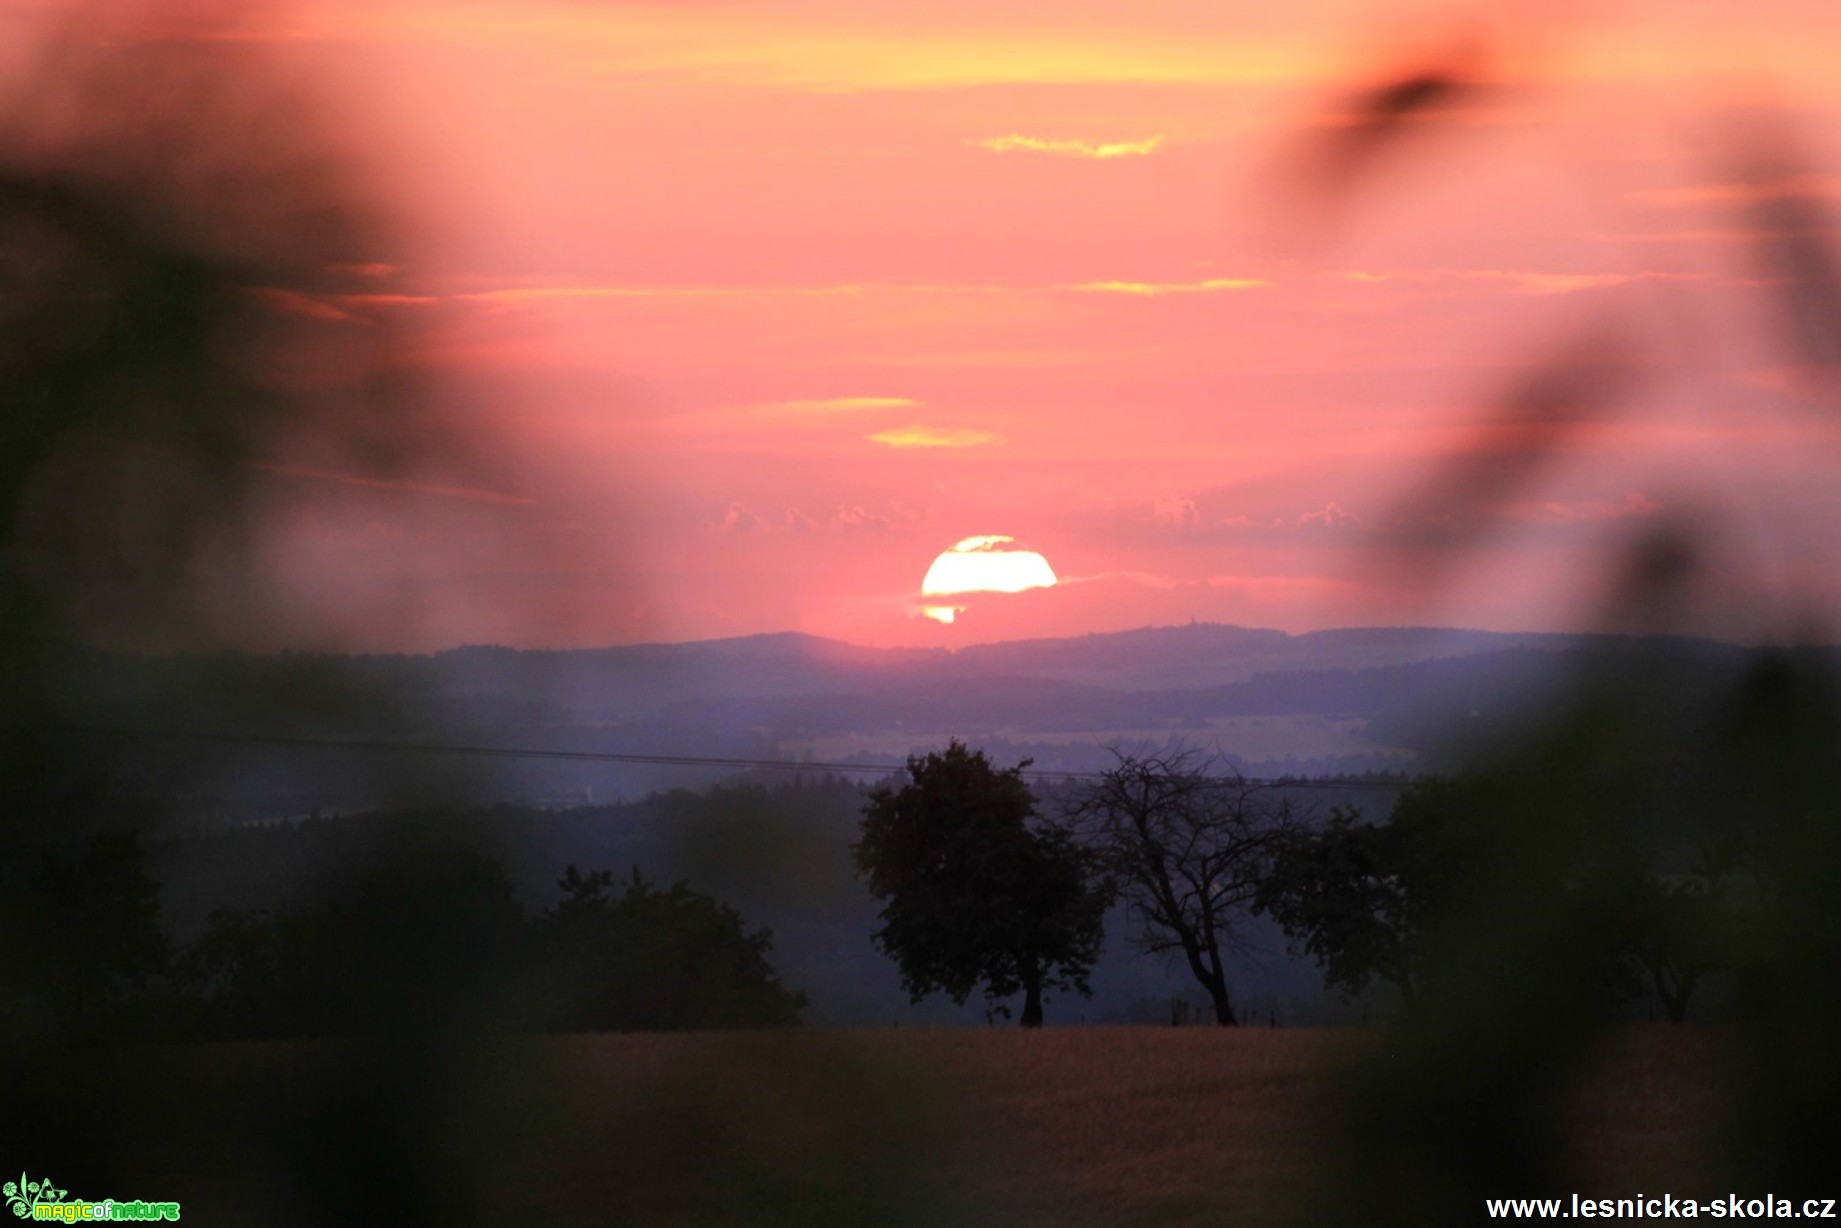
x=1353, y=897
x=976, y=888
x=651, y=958
x=1189, y=846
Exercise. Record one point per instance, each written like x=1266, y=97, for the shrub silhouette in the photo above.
x=651, y=958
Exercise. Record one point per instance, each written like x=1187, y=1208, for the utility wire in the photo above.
x=601, y=756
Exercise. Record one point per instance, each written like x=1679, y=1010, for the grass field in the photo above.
x=1075, y=1126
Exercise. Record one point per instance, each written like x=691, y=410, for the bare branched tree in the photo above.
x=1187, y=841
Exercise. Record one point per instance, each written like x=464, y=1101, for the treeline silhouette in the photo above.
x=1656, y=878
x=431, y=935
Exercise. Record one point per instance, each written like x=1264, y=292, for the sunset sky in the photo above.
x=759, y=305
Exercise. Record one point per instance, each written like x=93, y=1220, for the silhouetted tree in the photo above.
x=1671, y=931
x=1385, y=901
x=1189, y=850
x=648, y=958
x=971, y=891
x=1353, y=897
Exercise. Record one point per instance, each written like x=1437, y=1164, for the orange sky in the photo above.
x=761, y=304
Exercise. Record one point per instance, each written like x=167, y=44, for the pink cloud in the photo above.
x=1633, y=506
x=1331, y=517
x=738, y=518
x=1176, y=511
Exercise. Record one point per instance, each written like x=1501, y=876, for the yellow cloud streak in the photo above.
x=1072, y=148
x=931, y=437
x=1152, y=289
x=646, y=45
x=845, y=404
x=843, y=64
x=679, y=45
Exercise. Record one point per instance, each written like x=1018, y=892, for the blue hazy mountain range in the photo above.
x=1347, y=701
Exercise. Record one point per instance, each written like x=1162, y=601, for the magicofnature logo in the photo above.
x=23, y=1195
x=40, y=1200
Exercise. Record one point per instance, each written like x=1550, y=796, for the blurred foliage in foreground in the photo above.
x=432, y=937
x=1514, y=904
x=168, y=227
x=1596, y=820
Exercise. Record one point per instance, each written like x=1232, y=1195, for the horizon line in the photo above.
x=1193, y=624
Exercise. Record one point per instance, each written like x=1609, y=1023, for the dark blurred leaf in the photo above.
x=1505, y=454
x=1342, y=153
x=1791, y=246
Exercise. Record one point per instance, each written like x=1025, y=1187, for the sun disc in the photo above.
x=985, y=564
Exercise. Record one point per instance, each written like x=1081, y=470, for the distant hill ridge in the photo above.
x=631, y=681
x=1185, y=657
x=1351, y=700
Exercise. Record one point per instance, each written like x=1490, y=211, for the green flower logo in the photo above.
x=23, y=1195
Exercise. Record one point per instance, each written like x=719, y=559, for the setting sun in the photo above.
x=988, y=564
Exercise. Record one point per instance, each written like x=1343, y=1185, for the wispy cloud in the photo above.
x=1184, y=514
x=933, y=437
x=1517, y=281
x=1264, y=588
x=1633, y=506
x=843, y=405
x=722, y=54
x=781, y=414
x=1098, y=151
x=472, y=493
x=535, y=295
x=740, y=518
x=305, y=306
x=1145, y=578
x=669, y=45
x=1330, y=518
x=1720, y=234
x=853, y=517
x=1790, y=187
x=365, y=271
x=389, y=300
x=849, y=518
x=520, y=295
x=1272, y=588
x=1153, y=289
x=1176, y=510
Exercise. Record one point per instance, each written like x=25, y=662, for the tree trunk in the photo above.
x=1675, y=998
x=1224, y=1009
x=1032, y=1002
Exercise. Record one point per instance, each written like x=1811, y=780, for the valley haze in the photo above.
x=1358, y=700
x=291, y=765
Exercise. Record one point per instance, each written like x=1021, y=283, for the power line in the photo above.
x=604, y=756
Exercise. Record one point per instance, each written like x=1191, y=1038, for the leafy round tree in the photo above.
x=975, y=889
